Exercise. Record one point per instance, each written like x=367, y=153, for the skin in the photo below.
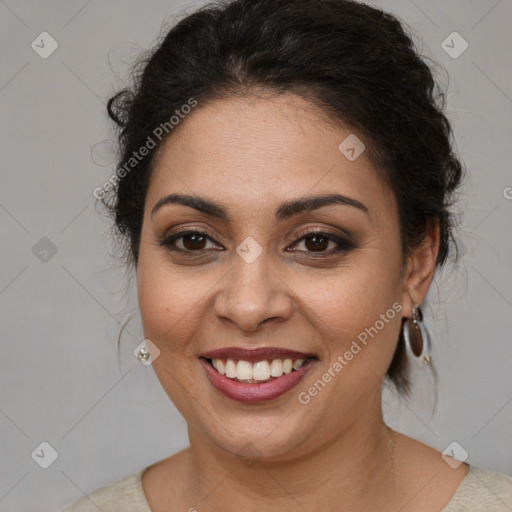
x=250, y=155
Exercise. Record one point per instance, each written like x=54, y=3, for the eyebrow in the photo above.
x=285, y=210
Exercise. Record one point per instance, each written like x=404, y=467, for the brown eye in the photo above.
x=187, y=241
x=316, y=242
x=193, y=241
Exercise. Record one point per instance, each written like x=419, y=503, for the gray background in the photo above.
x=60, y=381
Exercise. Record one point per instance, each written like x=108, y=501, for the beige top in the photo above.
x=480, y=490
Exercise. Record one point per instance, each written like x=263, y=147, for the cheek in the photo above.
x=169, y=317
x=356, y=309
x=355, y=292
x=160, y=297
x=172, y=303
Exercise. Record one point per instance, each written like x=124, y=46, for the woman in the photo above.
x=283, y=190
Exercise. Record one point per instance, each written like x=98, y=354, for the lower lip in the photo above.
x=252, y=392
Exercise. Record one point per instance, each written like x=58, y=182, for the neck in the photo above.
x=353, y=470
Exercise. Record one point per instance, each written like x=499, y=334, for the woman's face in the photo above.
x=252, y=280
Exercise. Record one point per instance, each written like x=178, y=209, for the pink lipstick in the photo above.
x=247, y=389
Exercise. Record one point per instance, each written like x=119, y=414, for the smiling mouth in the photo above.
x=256, y=372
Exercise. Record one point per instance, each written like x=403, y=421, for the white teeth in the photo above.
x=220, y=366
x=297, y=364
x=276, y=368
x=261, y=370
x=258, y=371
x=244, y=370
x=230, y=369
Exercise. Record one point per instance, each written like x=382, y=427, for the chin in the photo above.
x=281, y=439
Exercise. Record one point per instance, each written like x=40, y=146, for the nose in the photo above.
x=252, y=293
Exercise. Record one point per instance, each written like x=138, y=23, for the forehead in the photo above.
x=260, y=151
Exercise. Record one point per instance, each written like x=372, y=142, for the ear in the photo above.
x=420, y=267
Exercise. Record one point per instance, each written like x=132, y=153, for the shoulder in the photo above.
x=482, y=489
x=124, y=494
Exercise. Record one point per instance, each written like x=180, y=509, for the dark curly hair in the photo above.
x=354, y=63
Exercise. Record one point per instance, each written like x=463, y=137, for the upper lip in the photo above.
x=256, y=354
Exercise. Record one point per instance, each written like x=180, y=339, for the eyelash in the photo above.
x=344, y=245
